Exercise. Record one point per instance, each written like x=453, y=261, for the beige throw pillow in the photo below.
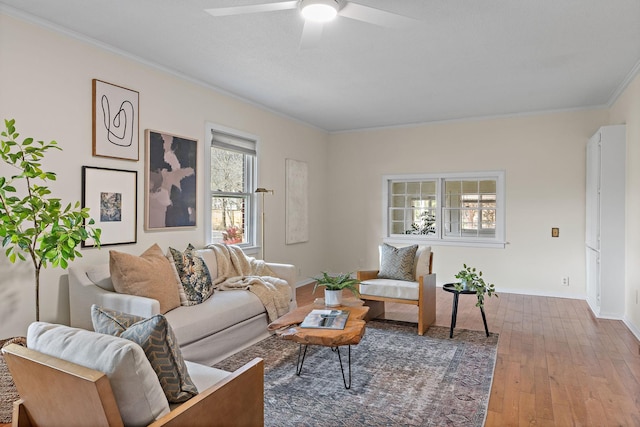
x=148, y=275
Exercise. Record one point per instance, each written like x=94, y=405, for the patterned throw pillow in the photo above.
x=156, y=338
x=397, y=263
x=194, y=275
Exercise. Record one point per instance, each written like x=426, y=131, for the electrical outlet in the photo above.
x=565, y=281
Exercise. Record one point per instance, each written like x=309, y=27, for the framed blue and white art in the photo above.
x=112, y=198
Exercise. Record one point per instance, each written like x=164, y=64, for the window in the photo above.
x=231, y=213
x=463, y=209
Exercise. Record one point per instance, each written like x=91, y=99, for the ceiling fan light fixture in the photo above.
x=319, y=10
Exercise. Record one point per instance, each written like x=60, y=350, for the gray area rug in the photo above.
x=8, y=392
x=398, y=379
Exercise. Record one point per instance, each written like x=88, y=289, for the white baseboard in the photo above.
x=635, y=331
x=303, y=282
x=536, y=293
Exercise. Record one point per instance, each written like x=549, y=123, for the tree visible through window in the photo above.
x=232, y=169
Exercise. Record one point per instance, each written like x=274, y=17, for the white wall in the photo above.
x=626, y=110
x=45, y=84
x=544, y=160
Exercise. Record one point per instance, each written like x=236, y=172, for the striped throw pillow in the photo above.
x=156, y=338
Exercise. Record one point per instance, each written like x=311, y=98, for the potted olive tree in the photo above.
x=35, y=225
x=472, y=280
x=334, y=284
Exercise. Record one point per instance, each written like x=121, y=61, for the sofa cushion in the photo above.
x=397, y=263
x=101, y=276
x=156, y=338
x=223, y=310
x=210, y=259
x=135, y=386
x=148, y=275
x=194, y=275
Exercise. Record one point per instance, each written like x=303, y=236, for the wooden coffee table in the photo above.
x=288, y=327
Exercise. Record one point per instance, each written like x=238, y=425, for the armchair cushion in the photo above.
x=193, y=273
x=397, y=263
x=390, y=288
x=158, y=341
x=135, y=386
x=148, y=275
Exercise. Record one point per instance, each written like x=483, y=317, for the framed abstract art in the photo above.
x=115, y=121
x=170, y=182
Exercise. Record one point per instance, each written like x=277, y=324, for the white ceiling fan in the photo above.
x=317, y=12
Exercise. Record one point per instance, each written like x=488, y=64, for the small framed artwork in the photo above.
x=170, y=183
x=115, y=121
x=112, y=198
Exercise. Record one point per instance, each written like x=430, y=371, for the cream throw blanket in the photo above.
x=238, y=271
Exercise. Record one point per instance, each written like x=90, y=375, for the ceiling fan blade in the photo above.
x=311, y=33
x=375, y=16
x=253, y=8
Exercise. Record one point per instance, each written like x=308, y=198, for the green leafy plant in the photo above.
x=337, y=282
x=36, y=225
x=475, y=282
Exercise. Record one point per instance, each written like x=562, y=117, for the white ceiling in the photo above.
x=466, y=58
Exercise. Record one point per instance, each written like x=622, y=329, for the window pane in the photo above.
x=413, y=188
x=397, y=214
x=452, y=187
x=398, y=188
x=447, y=206
x=228, y=219
x=227, y=171
x=469, y=187
x=413, y=206
x=488, y=187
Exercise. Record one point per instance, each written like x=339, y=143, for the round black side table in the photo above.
x=450, y=287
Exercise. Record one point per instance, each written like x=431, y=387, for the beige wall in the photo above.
x=626, y=110
x=544, y=160
x=45, y=84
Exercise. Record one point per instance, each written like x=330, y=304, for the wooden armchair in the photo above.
x=55, y=392
x=421, y=292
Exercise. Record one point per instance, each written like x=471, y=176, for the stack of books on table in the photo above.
x=326, y=319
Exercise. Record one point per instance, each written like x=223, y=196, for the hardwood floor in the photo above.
x=557, y=365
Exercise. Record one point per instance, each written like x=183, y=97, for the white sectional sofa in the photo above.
x=225, y=323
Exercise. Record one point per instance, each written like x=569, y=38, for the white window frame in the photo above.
x=251, y=210
x=439, y=238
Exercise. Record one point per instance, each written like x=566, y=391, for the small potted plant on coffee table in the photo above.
x=334, y=284
x=472, y=280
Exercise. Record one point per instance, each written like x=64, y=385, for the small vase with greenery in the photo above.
x=471, y=279
x=337, y=283
x=37, y=225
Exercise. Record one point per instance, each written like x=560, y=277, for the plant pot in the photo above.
x=332, y=298
x=465, y=285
